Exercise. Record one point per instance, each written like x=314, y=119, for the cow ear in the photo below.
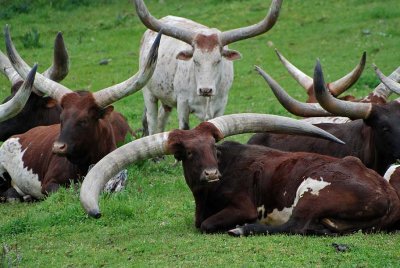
x=50, y=103
x=106, y=111
x=185, y=55
x=231, y=54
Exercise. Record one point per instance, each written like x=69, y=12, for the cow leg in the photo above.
x=50, y=187
x=151, y=104
x=163, y=114
x=290, y=227
x=243, y=212
x=144, y=123
x=183, y=113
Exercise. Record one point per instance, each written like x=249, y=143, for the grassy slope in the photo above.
x=152, y=222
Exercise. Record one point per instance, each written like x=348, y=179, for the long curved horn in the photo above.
x=381, y=90
x=156, y=25
x=292, y=105
x=45, y=85
x=111, y=94
x=337, y=87
x=7, y=69
x=338, y=107
x=17, y=103
x=60, y=67
x=341, y=85
x=111, y=164
x=156, y=145
x=304, y=80
x=389, y=83
x=263, y=26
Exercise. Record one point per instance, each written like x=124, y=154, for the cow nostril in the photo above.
x=205, y=91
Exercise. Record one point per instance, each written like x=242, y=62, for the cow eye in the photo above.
x=217, y=62
x=385, y=129
x=196, y=63
x=189, y=154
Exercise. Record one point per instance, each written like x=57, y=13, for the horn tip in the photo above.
x=94, y=213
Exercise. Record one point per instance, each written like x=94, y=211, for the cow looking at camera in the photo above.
x=39, y=161
x=280, y=192
x=195, y=69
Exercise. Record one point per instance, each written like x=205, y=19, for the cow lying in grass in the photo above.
x=37, y=162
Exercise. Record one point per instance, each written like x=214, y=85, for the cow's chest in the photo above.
x=280, y=216
x=23, y=179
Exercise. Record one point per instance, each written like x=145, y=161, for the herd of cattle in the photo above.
x=333, y=172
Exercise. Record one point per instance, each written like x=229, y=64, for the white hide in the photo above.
x=389, y=172
x=23, y=179
x=174, y=82
x=277, y=217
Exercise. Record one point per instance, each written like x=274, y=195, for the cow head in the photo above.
x=82, y=127
x=83, y=132
x=209, y=50
x=207, y=56
x=196, y=149
x=199, y=162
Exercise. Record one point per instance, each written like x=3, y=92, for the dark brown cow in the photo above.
x=40, y=160
x=373, y=137
x=232, y=184
x=43, y=110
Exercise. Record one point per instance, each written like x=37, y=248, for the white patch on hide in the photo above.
x=279, y=217
x=389, y=172
x=23, y=179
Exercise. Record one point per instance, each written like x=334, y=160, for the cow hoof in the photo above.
x=237, y=232
x=27, y=198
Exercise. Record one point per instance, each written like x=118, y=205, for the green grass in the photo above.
x=151, y=223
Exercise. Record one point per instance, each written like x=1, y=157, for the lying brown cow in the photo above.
x=39, y=161
x=301, y=193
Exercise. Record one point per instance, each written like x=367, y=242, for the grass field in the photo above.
x=151, y=223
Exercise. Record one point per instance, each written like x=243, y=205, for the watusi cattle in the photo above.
x=195, y=68
x=43, y=110
x=372, y=136
x=196, y=149
x=296, y=193
x=37, y=162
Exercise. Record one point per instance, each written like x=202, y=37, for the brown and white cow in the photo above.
x=372, y=136
x=233, y=184
x=195, y=69
x=43, y=110
x=39, y=161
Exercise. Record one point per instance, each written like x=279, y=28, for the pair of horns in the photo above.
x=157, y=145
x=328, y=105
x=12, y=107
x=103, y=97
x=389, y=82
x=56, y=72
x=336, y=88
x=226, y=37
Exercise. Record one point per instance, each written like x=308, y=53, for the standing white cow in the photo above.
x=194, y=71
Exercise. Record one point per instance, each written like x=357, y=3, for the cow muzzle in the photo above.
x=60, y=148
x=206, y=92
x=210, y=175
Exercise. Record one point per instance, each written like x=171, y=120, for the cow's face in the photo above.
x=207, y=57
x=38, y=111
x=196, y=149
x=80, y=126
x=385, y=121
